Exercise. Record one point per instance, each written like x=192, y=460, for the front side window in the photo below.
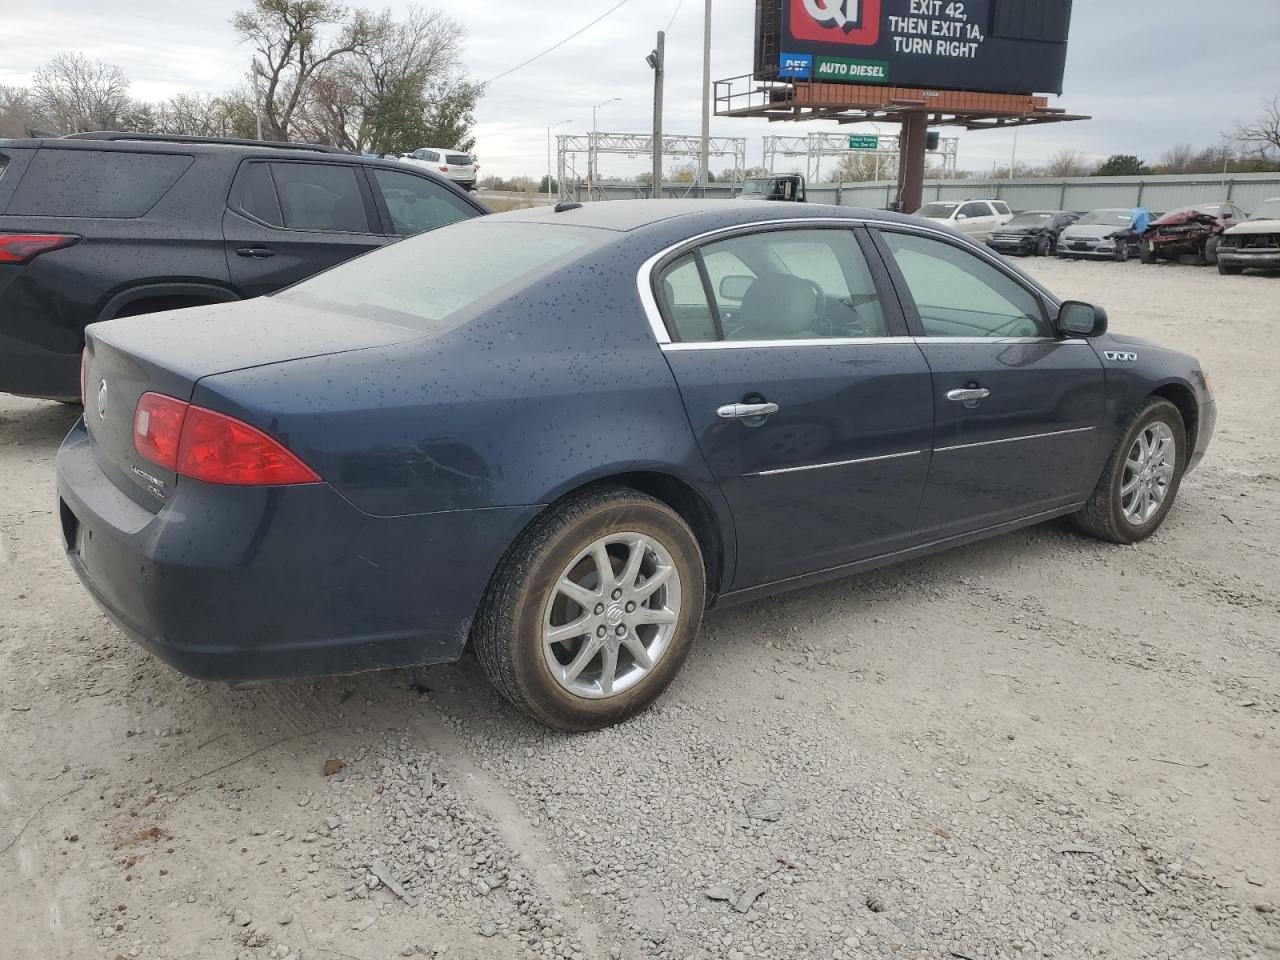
x=775, y=286
x=958, y=294
x=320, y=196
x=417, y=205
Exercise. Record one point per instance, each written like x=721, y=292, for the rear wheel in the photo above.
x=1140, y=483
x=594, y=609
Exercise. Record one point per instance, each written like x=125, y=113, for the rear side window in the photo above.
x=975, y=210
x=417, y=205
x=320, y=196
x=96, y=183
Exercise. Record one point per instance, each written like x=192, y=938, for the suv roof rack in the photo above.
x=174, y=138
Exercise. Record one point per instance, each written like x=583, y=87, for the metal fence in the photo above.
x=1157, y=194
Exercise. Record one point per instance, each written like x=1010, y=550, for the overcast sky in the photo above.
x=1150, y=72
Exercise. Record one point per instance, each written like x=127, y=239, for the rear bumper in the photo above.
x=237, y=584
x=33, y=371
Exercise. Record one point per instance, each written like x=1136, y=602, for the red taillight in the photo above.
x=444, y=169
x=204, y=445
x=157, y=428
x=23, y=247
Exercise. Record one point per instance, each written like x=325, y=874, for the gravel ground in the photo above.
x=1037, y=746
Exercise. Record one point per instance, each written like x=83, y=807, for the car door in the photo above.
x=972, y=219
x=810, y=404
x=410, y=204
x=1017, y=410
x=287, y=220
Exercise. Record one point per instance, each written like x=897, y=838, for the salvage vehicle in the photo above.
x=102, y=225
x=1254, y=243
x=787, y=188
x=560, y=435
x=1033, y=233
x=1193, y=232
x=1103, y=234
x=975, y=218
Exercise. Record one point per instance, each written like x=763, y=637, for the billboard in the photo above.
x=1001, y=46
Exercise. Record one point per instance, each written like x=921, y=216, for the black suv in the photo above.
x=102, y=225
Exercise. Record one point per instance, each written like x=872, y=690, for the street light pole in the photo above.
x=706, y=96
x=551, y=127
x=591, y=152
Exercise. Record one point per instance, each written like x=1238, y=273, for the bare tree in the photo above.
x=1260, y=140
x=18, y=116
x=1068, y=163
x=289, y=37
x=76, y=94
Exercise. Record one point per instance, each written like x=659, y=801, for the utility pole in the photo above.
x=591, y=150
x=706, y=97
x=658, y=61
x=257, y=97
x=1013, y=161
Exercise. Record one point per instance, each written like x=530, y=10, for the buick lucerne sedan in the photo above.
x=559, y=436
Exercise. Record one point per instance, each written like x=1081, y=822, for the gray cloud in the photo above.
x=1151, y=72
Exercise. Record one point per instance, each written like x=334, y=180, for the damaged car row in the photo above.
x=1204, y=234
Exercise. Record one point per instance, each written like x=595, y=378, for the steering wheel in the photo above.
x=821, y=322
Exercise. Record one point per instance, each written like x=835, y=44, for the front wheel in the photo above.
x=1146, y=252
x=1141, y=480
x=1211, y=250
x=594, y=609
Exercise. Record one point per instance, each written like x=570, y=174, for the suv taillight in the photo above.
x=444, y=169
x=204, y=445
x=25, y=247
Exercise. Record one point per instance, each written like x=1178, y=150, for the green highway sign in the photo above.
x=864, y=143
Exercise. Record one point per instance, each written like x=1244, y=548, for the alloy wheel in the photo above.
x=611, y=615
x=1148, y=473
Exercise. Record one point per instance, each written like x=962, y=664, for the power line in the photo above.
x=560, y=44
x=679, y=4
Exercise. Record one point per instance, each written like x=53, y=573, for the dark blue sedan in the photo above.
x=561, y=435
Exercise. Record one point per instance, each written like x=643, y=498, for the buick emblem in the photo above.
x=102, y=400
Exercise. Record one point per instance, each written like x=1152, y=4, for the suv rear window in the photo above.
x=458, y=159
x=95, y=183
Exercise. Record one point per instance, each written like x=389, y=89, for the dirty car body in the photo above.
x=433, y=399
x=1189, y=231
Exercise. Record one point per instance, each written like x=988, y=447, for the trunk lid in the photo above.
x=168, y=353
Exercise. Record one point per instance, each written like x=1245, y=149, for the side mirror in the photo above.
x=1079, y=319
x=735, y=288
x=962, y=216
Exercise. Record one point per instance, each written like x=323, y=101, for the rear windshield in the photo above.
x=1118, y=218
x=458, y=159
x=423, y=282
x=940, y=211
x=95, y=183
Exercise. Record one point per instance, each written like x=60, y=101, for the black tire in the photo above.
x=1211, y=250
x=1103, y=515
x=1146, y=252
x=1122, y=252
x=1228, y=270
x=1043, y=247
x=508, y=630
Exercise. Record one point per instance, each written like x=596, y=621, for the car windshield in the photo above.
x=939, y=211
x=759, y=188
x=1031, y=218
x=1110, y=218
x=1268, y=211
x=427, y=281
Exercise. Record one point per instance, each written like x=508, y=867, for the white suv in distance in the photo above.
x=974, y=218
x=457, y=166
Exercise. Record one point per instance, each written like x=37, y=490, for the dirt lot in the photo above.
x=1038, y=746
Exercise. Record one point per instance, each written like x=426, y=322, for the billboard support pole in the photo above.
x=659, y=64
x=911, y=154
x=705, y=160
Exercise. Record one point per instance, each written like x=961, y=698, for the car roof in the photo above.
x=625, y=216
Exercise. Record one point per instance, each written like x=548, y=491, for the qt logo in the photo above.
x=851, y=22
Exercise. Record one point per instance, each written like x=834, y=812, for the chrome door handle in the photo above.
x=969, y=395
x=746, y=411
